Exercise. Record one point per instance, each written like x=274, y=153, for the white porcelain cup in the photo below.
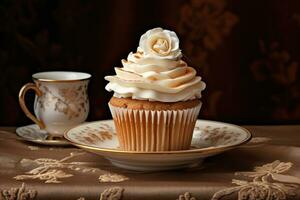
x=61, y=100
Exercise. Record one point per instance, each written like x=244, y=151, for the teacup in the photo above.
x=61, y=100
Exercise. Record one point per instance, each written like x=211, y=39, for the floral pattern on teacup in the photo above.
x=69, y=101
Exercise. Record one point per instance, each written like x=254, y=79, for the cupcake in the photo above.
x=156, y=98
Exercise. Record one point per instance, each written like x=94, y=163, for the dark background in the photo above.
x=248, y=52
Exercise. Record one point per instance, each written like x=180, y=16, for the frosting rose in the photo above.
x=160, y=43
x=156, y=72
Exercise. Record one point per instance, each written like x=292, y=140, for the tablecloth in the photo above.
x=268, y=167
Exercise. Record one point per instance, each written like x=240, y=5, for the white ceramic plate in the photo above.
x=210, y=138
x=33, y=133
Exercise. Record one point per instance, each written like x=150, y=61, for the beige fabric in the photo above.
x=219, y=173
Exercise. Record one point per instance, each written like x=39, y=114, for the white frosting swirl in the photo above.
x=156, y=72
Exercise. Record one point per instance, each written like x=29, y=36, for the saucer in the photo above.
x=209, y=138
x=33, y=133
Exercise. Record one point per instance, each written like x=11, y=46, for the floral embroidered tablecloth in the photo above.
x=266, y=168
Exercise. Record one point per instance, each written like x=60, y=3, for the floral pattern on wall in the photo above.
x=276, y=73
x=204, y=24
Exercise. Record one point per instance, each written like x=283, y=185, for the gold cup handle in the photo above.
x=24, y=89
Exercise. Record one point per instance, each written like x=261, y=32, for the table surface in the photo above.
x=267, y=168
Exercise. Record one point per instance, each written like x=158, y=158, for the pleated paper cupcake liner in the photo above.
x=154, y=130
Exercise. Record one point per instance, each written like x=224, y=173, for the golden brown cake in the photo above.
x=136, y=104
